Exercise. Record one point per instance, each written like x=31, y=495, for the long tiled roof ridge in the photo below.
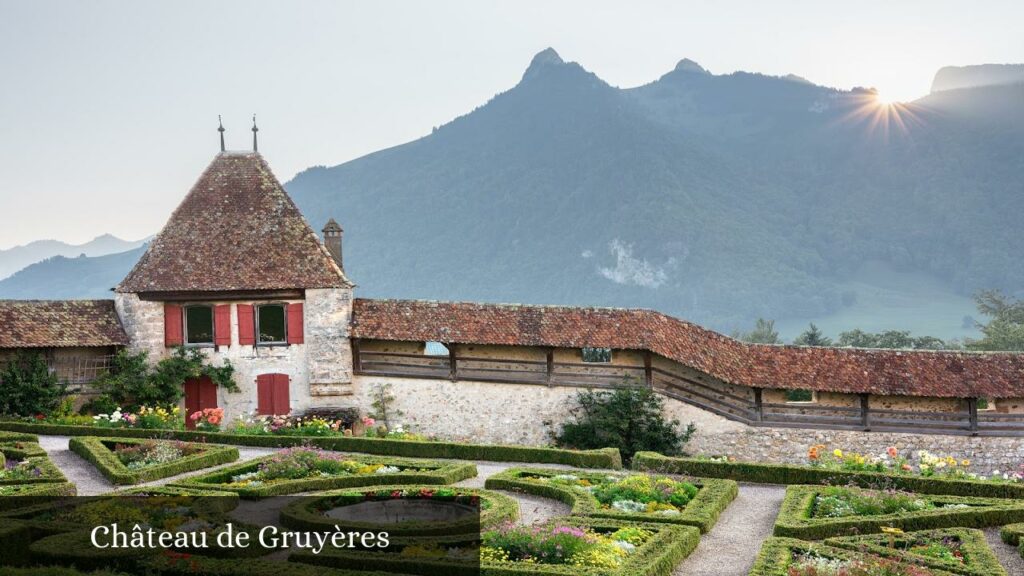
x=60, y=324
x=848, y=370
x=236, y=229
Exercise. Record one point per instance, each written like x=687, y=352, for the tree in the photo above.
x=812, y=337
x=1005, y=328
x=890, y=339
x=29, y=388
x=629, y=418
x=763, y=333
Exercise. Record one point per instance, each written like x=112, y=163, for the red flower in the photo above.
x=40, y=417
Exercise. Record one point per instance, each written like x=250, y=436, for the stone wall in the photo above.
x=498, y=413
x=789, y=445
x=322, y=361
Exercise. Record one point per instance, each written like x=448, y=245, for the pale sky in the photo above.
x=108, y=110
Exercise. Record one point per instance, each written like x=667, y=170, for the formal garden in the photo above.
x=615, y=493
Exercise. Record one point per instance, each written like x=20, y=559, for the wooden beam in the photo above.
x=453, y=370
x=972, y=415
x=648, y=372
x=758, y=406
x=865, y=411
x=550, y=365
x=357, y=364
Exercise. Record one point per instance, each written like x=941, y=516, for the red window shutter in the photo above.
x=172, y=325
x=282, y=404
x=207, y=393
x=295, y=323
x=222, y=324
x=265, y=394
x=246, y=324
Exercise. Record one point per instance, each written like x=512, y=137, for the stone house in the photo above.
x=238, y=273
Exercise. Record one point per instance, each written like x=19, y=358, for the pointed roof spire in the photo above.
x=255, y=148
x=221, y=130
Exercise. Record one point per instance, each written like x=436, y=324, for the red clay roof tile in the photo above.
x=237, y=229
x=59, y=324
x=887, y=372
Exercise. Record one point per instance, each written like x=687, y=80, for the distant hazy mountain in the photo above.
x=955, y=77
x=61, y=277
x=715, y=197
x=718, y=198
x=14, y=259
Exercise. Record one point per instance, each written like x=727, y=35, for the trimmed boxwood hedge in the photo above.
x=438, y=472
x=19, y=450
x=494, y=509
x=777, y=554
x=168, y=565
x=100, y=454
x=14, y=540
x=795, y=519
x=659, y=556
x=18, y=495
x=7, y=436
x=769, y=473
x=54, y=571
x=702, y=511
x=602, y=458
x=981, y=561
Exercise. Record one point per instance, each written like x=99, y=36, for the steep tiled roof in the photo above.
x=236, y=230
x=888, y=372
x=59, y=324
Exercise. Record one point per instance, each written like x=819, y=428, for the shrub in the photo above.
x=769, y=473
x=145, y=460
x=800, y=517
x=29, y=386
x=630, y=419
x=791, y=557
x=705, y=499
x=958, y=550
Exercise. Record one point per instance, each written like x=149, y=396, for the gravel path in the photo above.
x=532, y=509
x=731, y=546
x=1008, y=555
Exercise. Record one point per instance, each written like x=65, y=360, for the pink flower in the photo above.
x=367, y=421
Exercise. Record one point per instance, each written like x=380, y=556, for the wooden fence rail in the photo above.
x=79, y=370
x=735, y=403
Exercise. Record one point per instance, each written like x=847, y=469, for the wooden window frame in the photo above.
x=256, y=324
x=813, y=400
x=184, y=326
x=583, y=355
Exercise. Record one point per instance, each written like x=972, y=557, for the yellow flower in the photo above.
x=891, y=530
x=965, y=463
x=837, y=453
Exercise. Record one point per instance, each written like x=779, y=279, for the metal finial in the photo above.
x=255, y=148
x=220, y=129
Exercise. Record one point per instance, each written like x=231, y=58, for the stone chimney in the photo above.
x=332, y=240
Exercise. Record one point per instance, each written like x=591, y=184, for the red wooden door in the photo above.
x=200, y=394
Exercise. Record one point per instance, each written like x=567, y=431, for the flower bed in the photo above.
x=578, y=547
x=958, y=550
x=308, y=469
x=791, y=557
x=1012, y=534
x=129, y=461
x=767, y=473
x=488, y=509
x=638, y=497
x=32, y=470
x=604, y=458
x=816, y=512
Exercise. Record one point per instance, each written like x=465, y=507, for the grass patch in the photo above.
x=194, y=456
x=702, y=510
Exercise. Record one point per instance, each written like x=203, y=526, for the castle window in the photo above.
x=435, y=349
x=271, y=324
x=597, y=355
x=801, y=396
x=986, y=404
x=199, y=325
